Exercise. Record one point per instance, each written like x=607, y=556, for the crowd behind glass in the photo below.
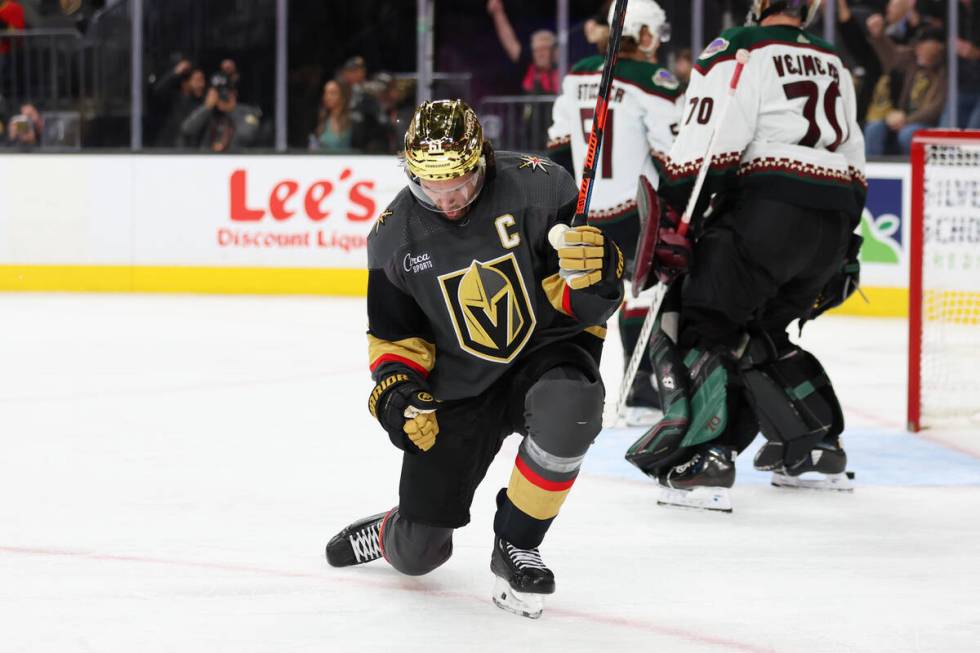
x=357, y=96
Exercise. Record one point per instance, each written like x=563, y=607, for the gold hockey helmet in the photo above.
x=445, y=156
x=443, y=141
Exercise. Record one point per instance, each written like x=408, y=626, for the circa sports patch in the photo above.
x=716, y=46
x=666, y=79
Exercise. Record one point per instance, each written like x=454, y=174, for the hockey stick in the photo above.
x=599, y=115
x=598, y=127
x=741, y=58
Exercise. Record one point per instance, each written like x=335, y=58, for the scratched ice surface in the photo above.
x=171, y=467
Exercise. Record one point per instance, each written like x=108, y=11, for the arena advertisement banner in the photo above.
x=202, y=223
x=885, y=228
x=225, y=224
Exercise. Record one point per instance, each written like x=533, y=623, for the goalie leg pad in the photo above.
x=793, y=400
x=694, y=392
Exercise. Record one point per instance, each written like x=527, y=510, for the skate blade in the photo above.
x=520, y=603
x=638, y=416
x=826, y=482
x=703, y=498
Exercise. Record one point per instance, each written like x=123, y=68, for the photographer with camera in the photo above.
x=221, y=124
x=24, y=129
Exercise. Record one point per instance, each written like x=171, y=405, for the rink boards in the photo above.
x=272, y=224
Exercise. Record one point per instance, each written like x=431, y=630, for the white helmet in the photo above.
x=805, y=9
x=640, y=13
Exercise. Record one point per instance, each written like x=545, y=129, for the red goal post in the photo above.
x=944, y=279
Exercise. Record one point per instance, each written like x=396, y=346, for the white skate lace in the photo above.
x=366, y=543
x=680, y=469
x=525, y=558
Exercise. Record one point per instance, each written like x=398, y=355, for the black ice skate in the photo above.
x=642, y=402
x=358, y=543
x=701, y=482
x=522, y=579
x=825, y=467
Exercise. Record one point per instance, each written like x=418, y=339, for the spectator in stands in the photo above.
x=397, y=109
x=11, y=20
x=537, y=73
x=222, y=124
x=968, y=69
x=338, y=128
x=923, y=87
x=867, y=67
x=537, y=68
x=230, y=70
x=364, y=106
x=177, y=93
x=354, y=74
x=901, y=20
x=24, y=130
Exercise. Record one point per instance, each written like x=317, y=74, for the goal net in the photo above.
x=944, y=279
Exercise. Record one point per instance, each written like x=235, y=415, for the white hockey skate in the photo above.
x=522, y=579
x=524, y=604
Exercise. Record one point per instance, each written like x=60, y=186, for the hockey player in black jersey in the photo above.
x=478, y=328
x=787, y=189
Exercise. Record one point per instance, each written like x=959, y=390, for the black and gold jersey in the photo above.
x=459, y=303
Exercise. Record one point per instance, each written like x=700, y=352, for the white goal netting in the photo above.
x=950, y=344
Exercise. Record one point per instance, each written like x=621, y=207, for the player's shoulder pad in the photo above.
x=649, y=77
x=588, y=65
x=752, y=37
x=389, y=231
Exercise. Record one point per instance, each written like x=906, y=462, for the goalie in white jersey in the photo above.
x=644, y=110
x=787, y=180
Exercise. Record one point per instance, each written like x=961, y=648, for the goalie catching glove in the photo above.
x=664, y=247
x=672, y=253
x=588, y=260
x=406, y=410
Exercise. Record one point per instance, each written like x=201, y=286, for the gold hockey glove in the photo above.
x=406, y=410
x=587, y=258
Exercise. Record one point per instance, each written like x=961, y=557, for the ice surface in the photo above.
x=172, y=466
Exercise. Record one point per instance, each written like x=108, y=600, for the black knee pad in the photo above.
x=563, y=411
x=415, y=549
x=793, y=400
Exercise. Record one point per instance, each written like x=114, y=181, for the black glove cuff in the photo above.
x=388, y=401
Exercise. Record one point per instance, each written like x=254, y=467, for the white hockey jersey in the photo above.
x=644, y=110
x=791, y=133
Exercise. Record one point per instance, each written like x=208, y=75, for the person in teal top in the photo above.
x=334, y=130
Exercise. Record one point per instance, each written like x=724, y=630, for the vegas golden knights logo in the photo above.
x=490, y=308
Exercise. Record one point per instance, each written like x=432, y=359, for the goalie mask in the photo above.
x=445, y=157
x=640, y=13
x=805, y=10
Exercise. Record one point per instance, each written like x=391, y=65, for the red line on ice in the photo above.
x=635, y=624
